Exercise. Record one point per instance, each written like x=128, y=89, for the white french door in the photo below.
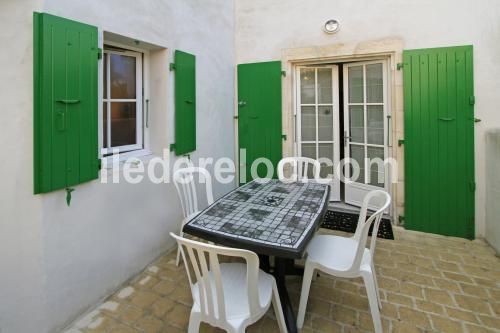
x=366, y=121
x=317, y=114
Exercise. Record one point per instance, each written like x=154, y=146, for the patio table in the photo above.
x=272, y=219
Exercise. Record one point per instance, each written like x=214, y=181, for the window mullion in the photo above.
x=316, y=101
x=108, y=89
x=365, y=115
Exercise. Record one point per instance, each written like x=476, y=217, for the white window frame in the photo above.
x=139, y=100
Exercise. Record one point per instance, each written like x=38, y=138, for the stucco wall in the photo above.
x=265, y=28
x=56, y=260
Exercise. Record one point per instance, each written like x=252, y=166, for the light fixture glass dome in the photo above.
x=331, y=26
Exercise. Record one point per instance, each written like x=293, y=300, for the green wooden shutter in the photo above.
x=65, y=103
x=439, y=140
x=185, y=103
x=259, y=114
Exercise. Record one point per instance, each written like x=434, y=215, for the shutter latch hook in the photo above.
x=68, y=195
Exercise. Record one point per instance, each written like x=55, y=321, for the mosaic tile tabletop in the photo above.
x=273, y=218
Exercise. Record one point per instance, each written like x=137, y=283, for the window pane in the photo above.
x=307, y=93
x=377, y=174
x=309, y=150
x=374, y=83
x=308, y=123
x=325, y=150
x=105, y=76
x=325, y=123
x=356, y=84
x=123, y=76
x=325, y=85
x=356, y=123
x=358, y=154
x=105, y=125
x=375, y=124
x=123, y=123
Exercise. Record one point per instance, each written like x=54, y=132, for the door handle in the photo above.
x=446, y=119
x=147, y=113
x=242, y=103
x=346, y=138
x=188, y=101
x=389, y=131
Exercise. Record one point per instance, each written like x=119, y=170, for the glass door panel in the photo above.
x=366, y=133
x=318, y=119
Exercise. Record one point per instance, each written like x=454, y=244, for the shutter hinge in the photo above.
x=401, y=219
x=172, y=146
x=473, y=186
x=99, y=53
x=99, y=164
x=283, y=136
x=399, y=65
x=283, y=73
x=172, y=66
x=235, y=117
x=472, y=100
x=401, y=142
x=477, y=120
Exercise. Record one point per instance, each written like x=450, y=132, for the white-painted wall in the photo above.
x=264, y=28
x=56, y=261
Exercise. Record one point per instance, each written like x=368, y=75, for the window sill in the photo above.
x=143, y=155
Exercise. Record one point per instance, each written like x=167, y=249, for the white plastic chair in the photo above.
x=230, y=296
x=348, y=258
x=184, y=180
x=300, y=168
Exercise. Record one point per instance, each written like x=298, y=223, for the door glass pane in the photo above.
x=325, y=150
x=105, y=125
x=307, y=89
x=375, y=124
x=355, y=84
x=358, y=154
x=374, y=83
x=325, y=85
x=123, y=123
x=325, y=123
x=356, y=123
x=123, y=76
x=309, y=150
x=377, y=174
x=105, y=76
x=308, y=123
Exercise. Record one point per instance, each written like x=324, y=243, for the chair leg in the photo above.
x=376, y=287
x=178, y=259
x=194, y=322
x=372, y=299
x=278, y=310
x=304, y=294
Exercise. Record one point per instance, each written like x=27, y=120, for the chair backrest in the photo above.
x=184, y=180
x=363, y=227
x=207, y=274
x=302, y=167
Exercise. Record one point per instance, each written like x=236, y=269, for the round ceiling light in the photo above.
x=331, y=26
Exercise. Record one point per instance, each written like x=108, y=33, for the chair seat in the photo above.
x=336, y=253
x=234, y=277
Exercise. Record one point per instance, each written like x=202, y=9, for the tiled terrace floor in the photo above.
x=427, y=283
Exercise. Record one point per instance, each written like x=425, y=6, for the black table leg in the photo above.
x=280, y=271
x=264, y=263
